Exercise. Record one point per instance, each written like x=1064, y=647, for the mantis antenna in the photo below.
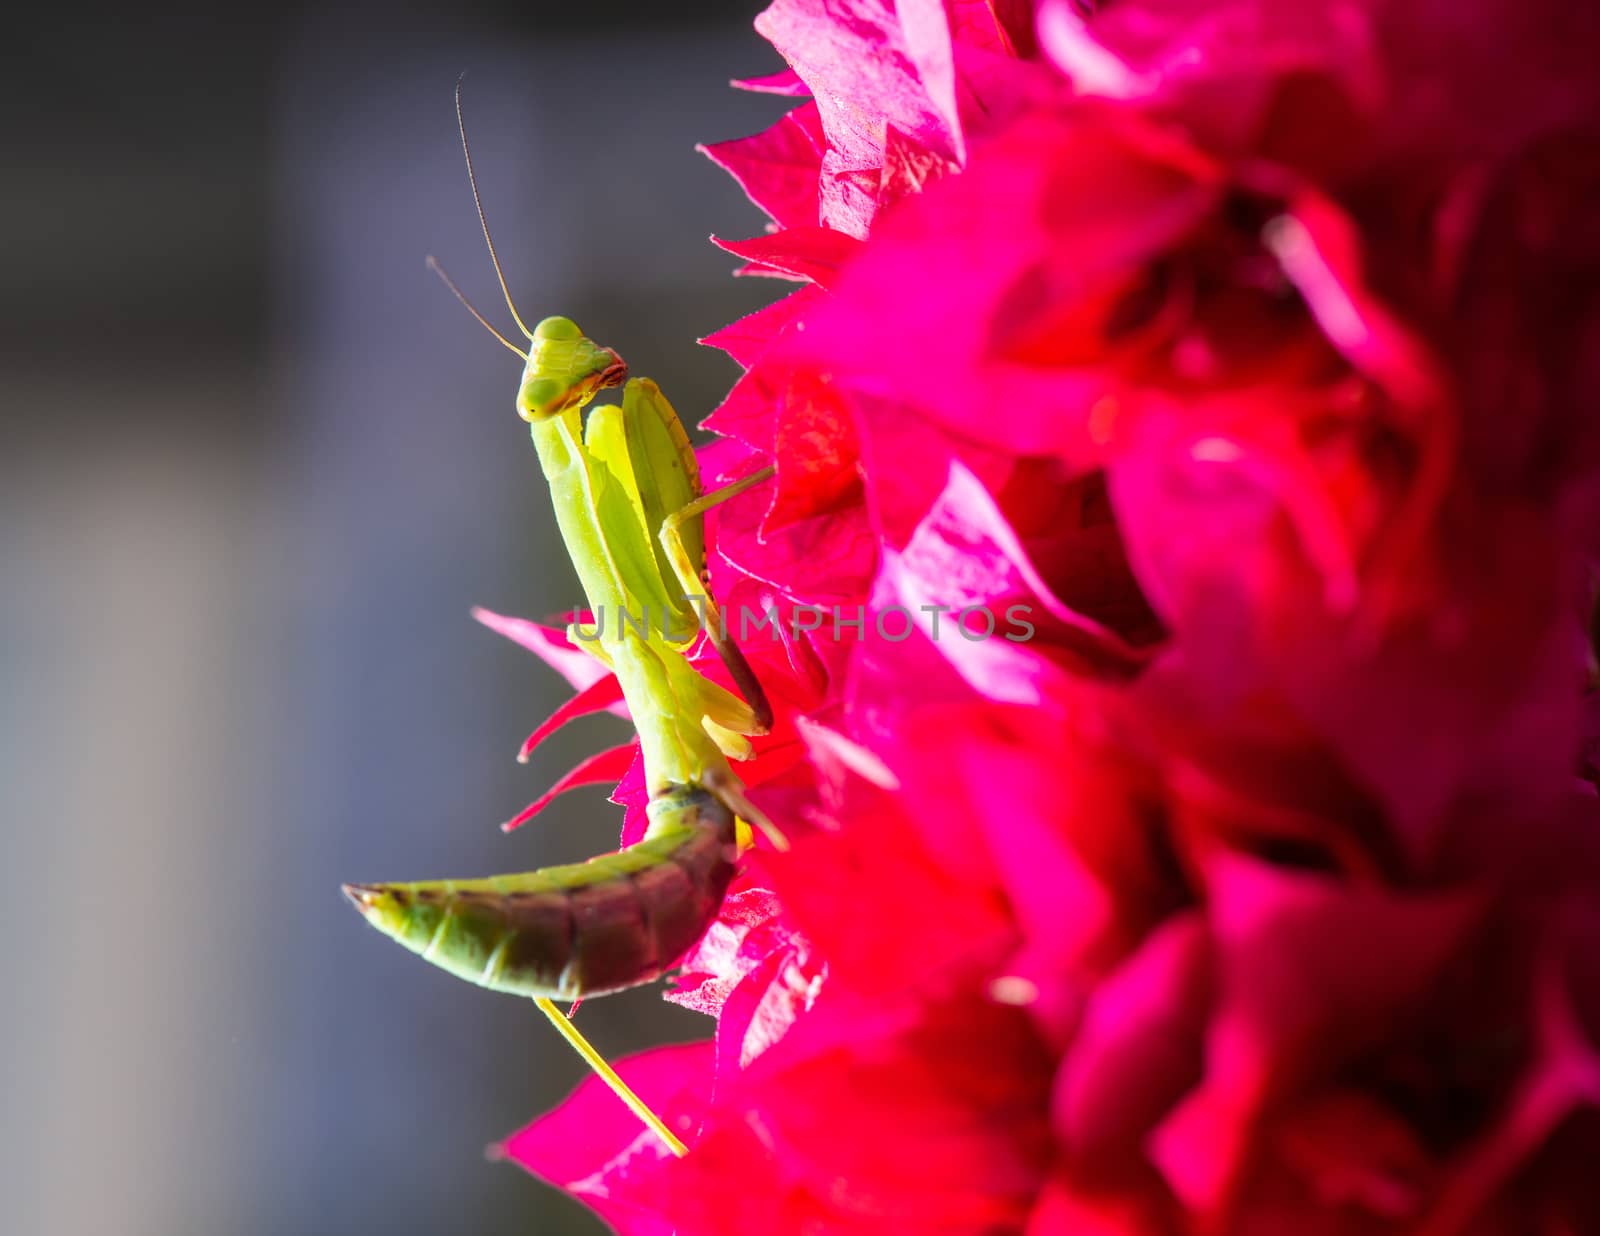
x=433, y=265
x=477, y=200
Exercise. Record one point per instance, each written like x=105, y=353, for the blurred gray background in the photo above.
x=255, y=465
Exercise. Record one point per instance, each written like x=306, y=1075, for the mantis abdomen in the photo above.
x=580, y=930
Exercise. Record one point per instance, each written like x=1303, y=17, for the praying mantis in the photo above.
x=628, y=501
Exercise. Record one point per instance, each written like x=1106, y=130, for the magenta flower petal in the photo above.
x=1138, y=1050
x=869, y=1121
x=1255, y=607
x=550, y=644
x=871, y=66
x=899, y=442
x=737, y=943
x=594, y=1147
x=1248, y=349
x=602, y=768
x=794, y=416
x=1065, y=1210
x=1310, y=976
x=990, y=290
x=1002, y=26
x=817, y=453
x=747, y=415
x=1319, y=249
x=765, y=1004
x=1220, y=66
x=1004, y=629
x=895, y=672
x=824, y=561
x=748, y=339
x=908, y=167
x=884, y=907
x=633, y=795
x=1559, y=1092
x=814, y=253
x=778, y=168
x=600, y=696
x=1591, y=736
x=784, y=81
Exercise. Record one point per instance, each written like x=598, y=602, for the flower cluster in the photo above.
x=1255, y=347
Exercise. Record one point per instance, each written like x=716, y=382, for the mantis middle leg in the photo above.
x=695, y=585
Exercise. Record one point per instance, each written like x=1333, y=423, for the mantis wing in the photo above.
x=644, y=447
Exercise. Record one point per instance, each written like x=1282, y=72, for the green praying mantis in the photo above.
x=628, y=501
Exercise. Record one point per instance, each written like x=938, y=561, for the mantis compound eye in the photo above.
x=557, y=329
x=542, y=397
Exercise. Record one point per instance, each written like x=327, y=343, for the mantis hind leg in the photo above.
x=692, y=578
x=734, y=798
x=608, y=1075
x=694, y=584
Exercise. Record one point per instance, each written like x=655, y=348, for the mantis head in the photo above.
x=565, y=369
